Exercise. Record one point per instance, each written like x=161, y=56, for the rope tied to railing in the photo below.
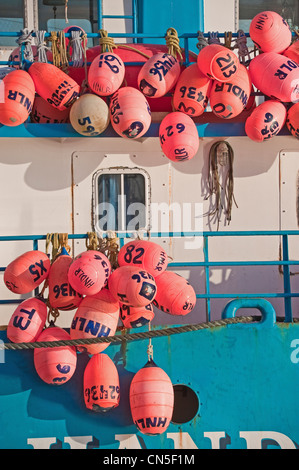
x=107, y=44
x=201, y=41
x=173, y=43
x=41, y=46
x=76, y=46
x=213, y=38
x=25, y=40
x=59, y=51
x=125, y=337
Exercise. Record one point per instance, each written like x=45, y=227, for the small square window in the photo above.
x=121, y=200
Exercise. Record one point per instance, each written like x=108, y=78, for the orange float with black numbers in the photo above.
x=53, y=85
x=218, y=62
x=27, y=272
x=132, y=286
x=106, y=74
x=270, y=32
x=43, y=113
x=266, y=120
x=192, y=91
x=61, y=294
x=89, y=115
x=101, y=384
x=89, y=272
x=17, y=95
x=158, y=75
x=276, y=76
x=178, y=137
x=27, y=321
x=97, y=316
x=229, y=99
x=174, y=294
x=151, y=399
x=135, y=317
x=143, y=254
x=292, y=120
x=130, y=113
x=55, y=365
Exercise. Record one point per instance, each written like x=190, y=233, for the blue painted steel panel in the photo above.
x=185, y=18
x=246, y=377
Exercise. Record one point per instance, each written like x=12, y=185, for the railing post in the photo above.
x=286, y=280
x=207, y=276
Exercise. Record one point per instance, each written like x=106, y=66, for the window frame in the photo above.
x=122, y=171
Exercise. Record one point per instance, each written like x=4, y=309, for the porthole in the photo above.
x=186, y=404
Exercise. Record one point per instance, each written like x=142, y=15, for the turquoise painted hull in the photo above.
x=246, y=378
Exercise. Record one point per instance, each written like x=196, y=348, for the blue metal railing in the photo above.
x=285, y=263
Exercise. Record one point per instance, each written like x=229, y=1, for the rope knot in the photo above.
x=173, y=43
x=202, y=42
x=107, y=44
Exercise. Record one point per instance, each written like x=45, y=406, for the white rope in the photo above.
x=77, y=48
x=41, y=46
x=26, y=39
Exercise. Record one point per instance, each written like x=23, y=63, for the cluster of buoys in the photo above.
x=101, y=297
x=125, y=96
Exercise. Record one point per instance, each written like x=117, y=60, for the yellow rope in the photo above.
x=107, y=44
x=173, y=43
x=228, y=35
x=55, y=51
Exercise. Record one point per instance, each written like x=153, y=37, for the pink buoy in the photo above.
x=178, y=137
x=158, y=75
x=106, y=74
x=55, y=365
x=192, y=91
x=27, y=272
x=265, y=121
x=292, y=52
x=276, y=76
x=96, y=316
x=44, y=113
x=53, y=85
x=174, y=294
x=17, y=94
x=61, y=294
x=132, y=286
x=218, y=62
x=270, y=32
x=143, y=254
x=89, y=272
x=292, y=120
x=130, y=113
x=134, y=317
x=151, y=399
x=101, y=384
x=27, y=321
x=228, y=99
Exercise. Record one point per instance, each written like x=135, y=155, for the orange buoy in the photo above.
x=265, y=121
x=174, y=294
x=158, y=75
x=101, y=384
x=27, y=272
x=89, y=115
x=95, y=317
x=106, y=74
x=228, y=99
x=192, y=91
x=44, y=113
x=132, y=286
x=130, y=114
x=27, y=321
x=151, y=399
x=292, y=120
x=89, y=272
x=178, y=137
x=217, y=62
x=55, y=365
x=134, y=317
x=18, y=96
x=276, y=76
x=292, y=52
x=270, y=32
x=53, y=85
x=61, y=294
x=143, y=254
